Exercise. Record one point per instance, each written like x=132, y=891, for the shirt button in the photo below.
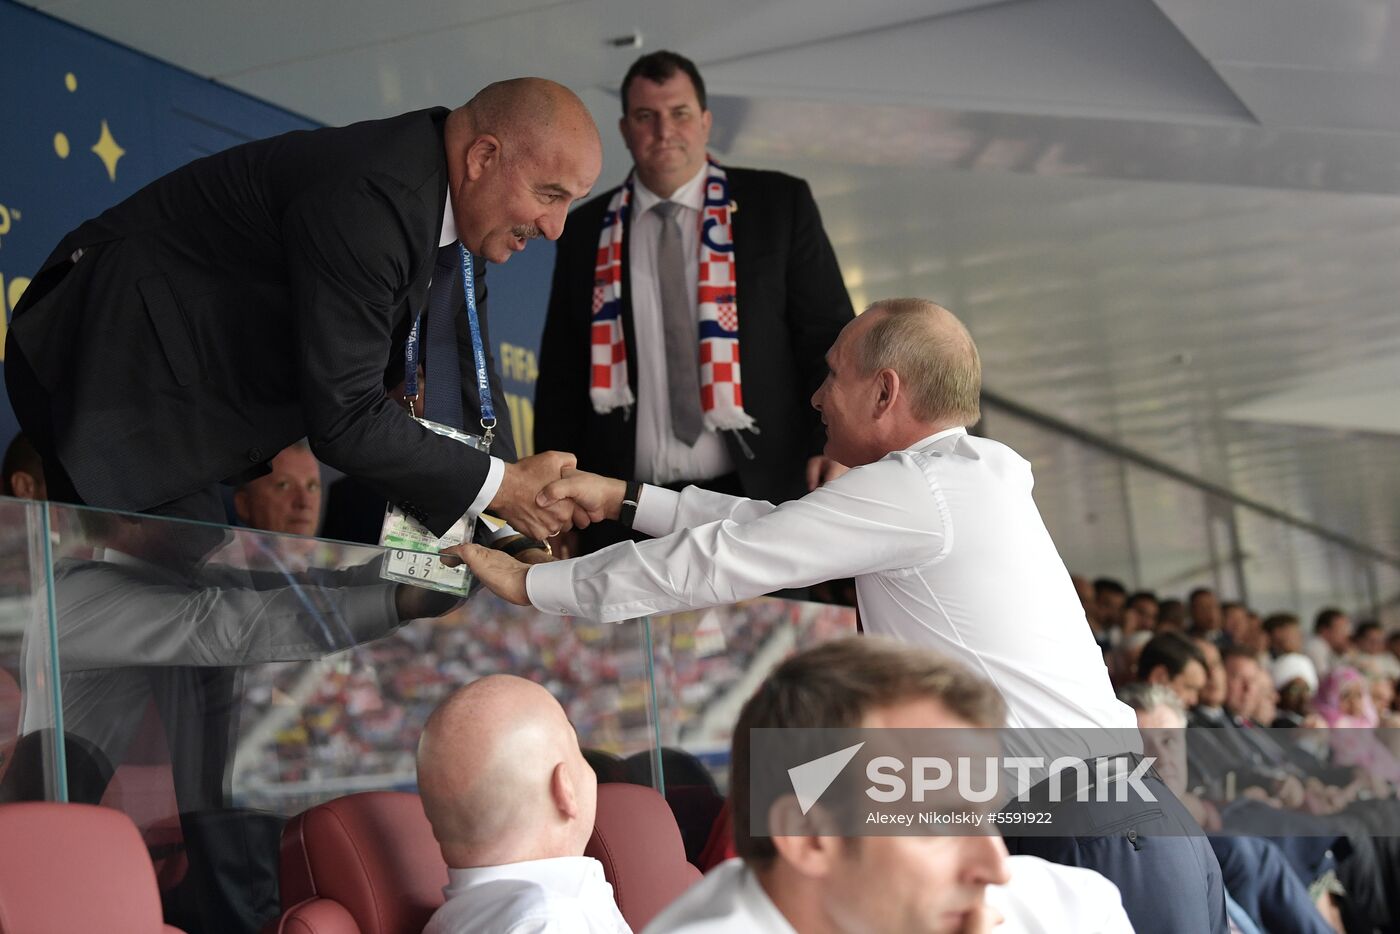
x=255, y=455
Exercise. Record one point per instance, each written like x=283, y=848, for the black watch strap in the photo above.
x=516, y=545
x=628, y=513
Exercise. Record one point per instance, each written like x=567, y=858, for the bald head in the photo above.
x=518, y=154
x=931, y=351
x=530, y=110
x=502, y=778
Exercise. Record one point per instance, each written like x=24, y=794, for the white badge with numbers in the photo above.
x=412, y=551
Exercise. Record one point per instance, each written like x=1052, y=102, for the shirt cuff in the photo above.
x=489, y=487
x=656, y=510
x=550, y=587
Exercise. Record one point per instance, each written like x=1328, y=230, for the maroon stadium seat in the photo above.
x=636, y=839
x=74, y=867
x=362, y=864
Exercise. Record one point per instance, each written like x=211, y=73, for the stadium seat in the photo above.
x=363, y=864
x=74, y=867
x=636, y=839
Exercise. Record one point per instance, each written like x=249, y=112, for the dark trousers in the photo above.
x=1260, y=879
x=1154, y=852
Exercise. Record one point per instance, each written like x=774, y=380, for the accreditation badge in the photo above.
x=411, y=551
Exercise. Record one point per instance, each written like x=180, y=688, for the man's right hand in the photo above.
x=522, y=482
x=590, y=496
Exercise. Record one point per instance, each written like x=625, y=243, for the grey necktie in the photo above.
x=682, y=333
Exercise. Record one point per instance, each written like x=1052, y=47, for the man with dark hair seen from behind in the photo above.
x=512, y=802
x=639, y=362
x=804, y=882
x=948, y=550
x=264, y=294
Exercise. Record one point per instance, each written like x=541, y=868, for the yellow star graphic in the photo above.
x=108, y=151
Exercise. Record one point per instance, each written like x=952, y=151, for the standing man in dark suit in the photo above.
x=657, y=287
x=185, y=336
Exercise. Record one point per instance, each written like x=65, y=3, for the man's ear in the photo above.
x=887, y=390
x=240, y=505
x=483, y=153
x=807, y=842
x=1158, y=675
x=562, y=790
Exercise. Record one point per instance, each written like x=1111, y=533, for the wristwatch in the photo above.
x=628, y=512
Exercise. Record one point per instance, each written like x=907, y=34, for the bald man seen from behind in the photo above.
x=512, y=800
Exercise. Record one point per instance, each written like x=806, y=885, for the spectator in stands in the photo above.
x=1331, y=640
x=1242, y=683
x=286, y=500
x=1295, y=679
x=1110, y=600
x=1236, y=623
x=902, y=386
x=804, y=883
x=1144, y=602
x=1205, y=614
x=1171, y=615
x=22, y=475
x=1173, y=661
x=1371, y=655
x=1285, y=634
x=1258, y=878
x=1212, y=696
x=512, y=801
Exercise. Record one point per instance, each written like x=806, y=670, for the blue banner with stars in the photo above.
x=84, y=123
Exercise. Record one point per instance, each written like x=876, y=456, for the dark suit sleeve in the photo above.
x=350, y=256
x=818, y=306
x=562, y=406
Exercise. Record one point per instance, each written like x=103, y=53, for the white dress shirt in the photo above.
x=1041, y=898
x=948, y=551
x=564, y=895
x=661, y=456
x=1324, y=659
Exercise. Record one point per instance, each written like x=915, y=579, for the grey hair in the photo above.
x=933, y=354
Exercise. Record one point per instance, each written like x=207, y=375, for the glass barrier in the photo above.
x=210, y=682
x=31, y=762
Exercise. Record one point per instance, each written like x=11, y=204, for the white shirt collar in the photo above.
x=559, y=873
x=938, y=436
x=449, y=224
x=690, y=195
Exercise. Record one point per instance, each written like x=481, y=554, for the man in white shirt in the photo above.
x=1331, y=640
x=948, y=550
x=512, y=803
x=798, y=882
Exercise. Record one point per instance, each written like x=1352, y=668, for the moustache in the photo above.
x=526, y=232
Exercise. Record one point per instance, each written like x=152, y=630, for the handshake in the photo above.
x=543, y=496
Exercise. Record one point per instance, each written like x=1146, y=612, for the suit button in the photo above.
x=255, y=455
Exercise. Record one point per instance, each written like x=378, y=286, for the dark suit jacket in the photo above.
x=244, y=301
x=792, y=304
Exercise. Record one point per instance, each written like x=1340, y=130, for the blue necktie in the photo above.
x=441, y=364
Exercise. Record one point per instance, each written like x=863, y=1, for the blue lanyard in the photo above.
x=483, y=377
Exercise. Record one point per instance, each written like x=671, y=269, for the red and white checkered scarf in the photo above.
x=721, y=396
